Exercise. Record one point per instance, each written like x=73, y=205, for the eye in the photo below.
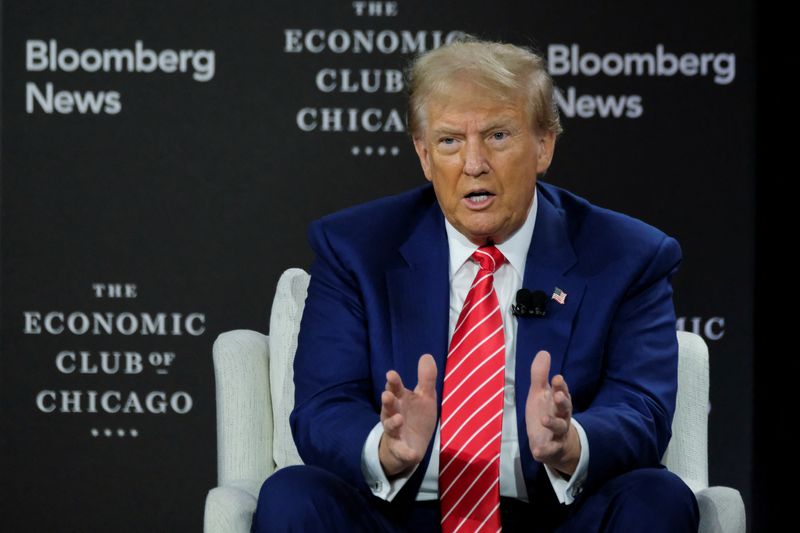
x=499, y=135
x=448, y=145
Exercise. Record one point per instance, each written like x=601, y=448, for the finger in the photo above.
x=394, y=384
x=563, y=405
x=559, y=426
x=540, y=368
x=545, y=453
x=426, y=375
x=392, y=425
x=560, y=384
x=542, y=452
x=389, y=404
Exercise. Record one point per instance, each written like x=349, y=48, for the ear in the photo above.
x=424, y=156
x=546, y=144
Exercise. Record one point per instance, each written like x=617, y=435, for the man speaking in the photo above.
x=487, y=351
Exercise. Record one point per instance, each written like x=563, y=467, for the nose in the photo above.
x=475, y=162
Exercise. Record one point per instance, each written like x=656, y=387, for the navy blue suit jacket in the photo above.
x=379, y=298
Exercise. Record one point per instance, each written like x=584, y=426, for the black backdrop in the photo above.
x=190, y=196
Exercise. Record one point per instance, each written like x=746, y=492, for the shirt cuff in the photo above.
x=373, y=472
x=568, y=490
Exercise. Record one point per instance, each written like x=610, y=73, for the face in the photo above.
x=482, y=156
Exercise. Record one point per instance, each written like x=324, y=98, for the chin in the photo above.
x=480, y=235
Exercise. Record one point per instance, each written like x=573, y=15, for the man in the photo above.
x=423, y=284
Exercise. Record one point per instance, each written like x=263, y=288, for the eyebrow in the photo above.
x=500, y=123
x=449, y=130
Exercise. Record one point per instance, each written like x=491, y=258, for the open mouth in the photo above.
x=478, y=197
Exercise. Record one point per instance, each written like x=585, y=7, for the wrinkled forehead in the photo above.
x=462, y=96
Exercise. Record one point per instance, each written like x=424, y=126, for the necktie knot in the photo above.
x=489, y=258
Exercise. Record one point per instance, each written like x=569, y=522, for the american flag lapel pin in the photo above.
x=559, y=295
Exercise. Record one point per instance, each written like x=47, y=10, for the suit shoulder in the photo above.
x=377, y=225
x=602, y=232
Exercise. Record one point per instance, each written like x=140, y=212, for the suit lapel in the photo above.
x=419, y=302
x=550, y=257
x=419, y=297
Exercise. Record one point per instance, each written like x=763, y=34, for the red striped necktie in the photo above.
x=472, y=408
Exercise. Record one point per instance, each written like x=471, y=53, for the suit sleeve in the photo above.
x=628, y=424
x=334, y=410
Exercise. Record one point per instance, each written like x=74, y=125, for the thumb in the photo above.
x=426, y=374
x=540, y=368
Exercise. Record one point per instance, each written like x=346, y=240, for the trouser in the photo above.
x=310, y=499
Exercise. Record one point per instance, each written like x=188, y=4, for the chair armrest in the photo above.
x=244, y=409
x=721, y=510
x=687, y=453
x=284, y=327
x=229, y=510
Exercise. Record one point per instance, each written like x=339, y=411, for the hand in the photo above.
x=408, y=417
x=553, y=439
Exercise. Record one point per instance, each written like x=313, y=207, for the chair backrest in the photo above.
x=686, y=454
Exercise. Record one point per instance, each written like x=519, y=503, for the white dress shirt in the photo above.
x=507, y=281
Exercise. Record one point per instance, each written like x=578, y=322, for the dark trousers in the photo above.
x=310, y=499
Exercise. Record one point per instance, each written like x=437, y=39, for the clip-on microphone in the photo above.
x=530, y=304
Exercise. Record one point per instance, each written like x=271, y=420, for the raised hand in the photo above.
x=408, y=417
x=553, y=439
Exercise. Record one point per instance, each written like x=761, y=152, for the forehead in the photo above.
x=463, y=103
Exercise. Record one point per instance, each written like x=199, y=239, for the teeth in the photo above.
x=478, y=199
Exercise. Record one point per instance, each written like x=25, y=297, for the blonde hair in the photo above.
x=507, y=70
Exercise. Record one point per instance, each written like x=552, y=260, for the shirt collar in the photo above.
x=515, y=248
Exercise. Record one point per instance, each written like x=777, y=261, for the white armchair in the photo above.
x=255, y=394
